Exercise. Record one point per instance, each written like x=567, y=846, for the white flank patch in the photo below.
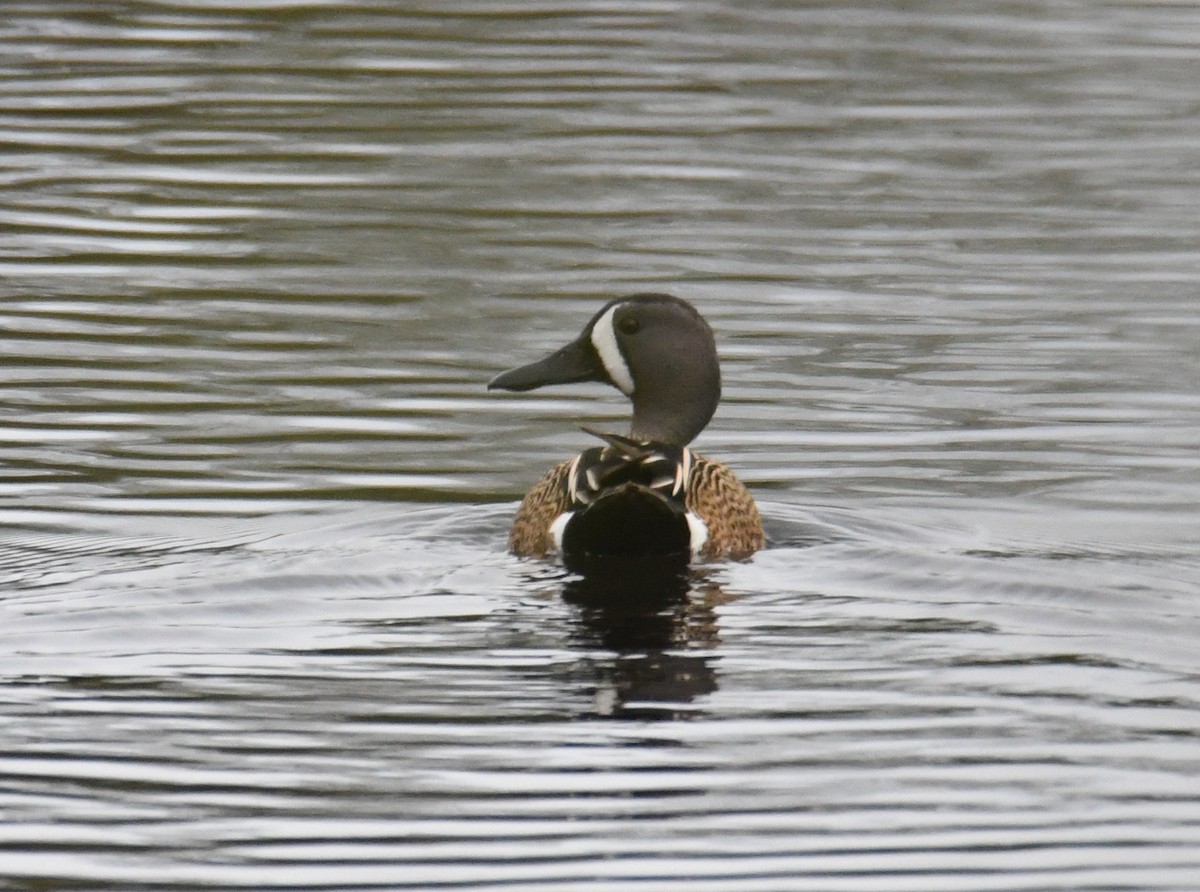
x=604, y=339
x=699, y=532
x=560, y=525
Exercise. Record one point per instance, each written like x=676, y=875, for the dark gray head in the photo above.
x=654, y=348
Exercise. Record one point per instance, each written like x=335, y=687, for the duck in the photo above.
x=644, y=492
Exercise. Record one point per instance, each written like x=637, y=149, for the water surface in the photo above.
x=258, y=626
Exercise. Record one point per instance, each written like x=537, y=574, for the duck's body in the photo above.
x=729, y=524
x=646, y=493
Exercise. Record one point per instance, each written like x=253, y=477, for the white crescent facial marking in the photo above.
x=604, y=339
x=698, y=531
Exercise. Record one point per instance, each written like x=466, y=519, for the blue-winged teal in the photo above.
x=645, y=493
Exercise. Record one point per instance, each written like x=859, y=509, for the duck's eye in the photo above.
x=630, y=325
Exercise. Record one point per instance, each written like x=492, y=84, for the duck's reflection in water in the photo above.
x=656, y=617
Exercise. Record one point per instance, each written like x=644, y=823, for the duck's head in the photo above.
x=656, y=349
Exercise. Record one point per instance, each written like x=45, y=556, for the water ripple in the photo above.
x=258, y=623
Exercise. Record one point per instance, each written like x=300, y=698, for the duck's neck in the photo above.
x=671, y=415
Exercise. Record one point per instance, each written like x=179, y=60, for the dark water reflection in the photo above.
x=660, y=623
x=257, y=626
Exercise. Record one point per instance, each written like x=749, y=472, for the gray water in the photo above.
x=258, y=629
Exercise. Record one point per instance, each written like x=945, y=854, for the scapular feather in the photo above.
x=660, y=468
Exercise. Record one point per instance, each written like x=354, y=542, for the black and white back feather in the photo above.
x=629, y=497
x=658, y=467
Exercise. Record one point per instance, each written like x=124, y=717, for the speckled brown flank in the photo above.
x=717, y=497
x=714, y=494
x=530, y=535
